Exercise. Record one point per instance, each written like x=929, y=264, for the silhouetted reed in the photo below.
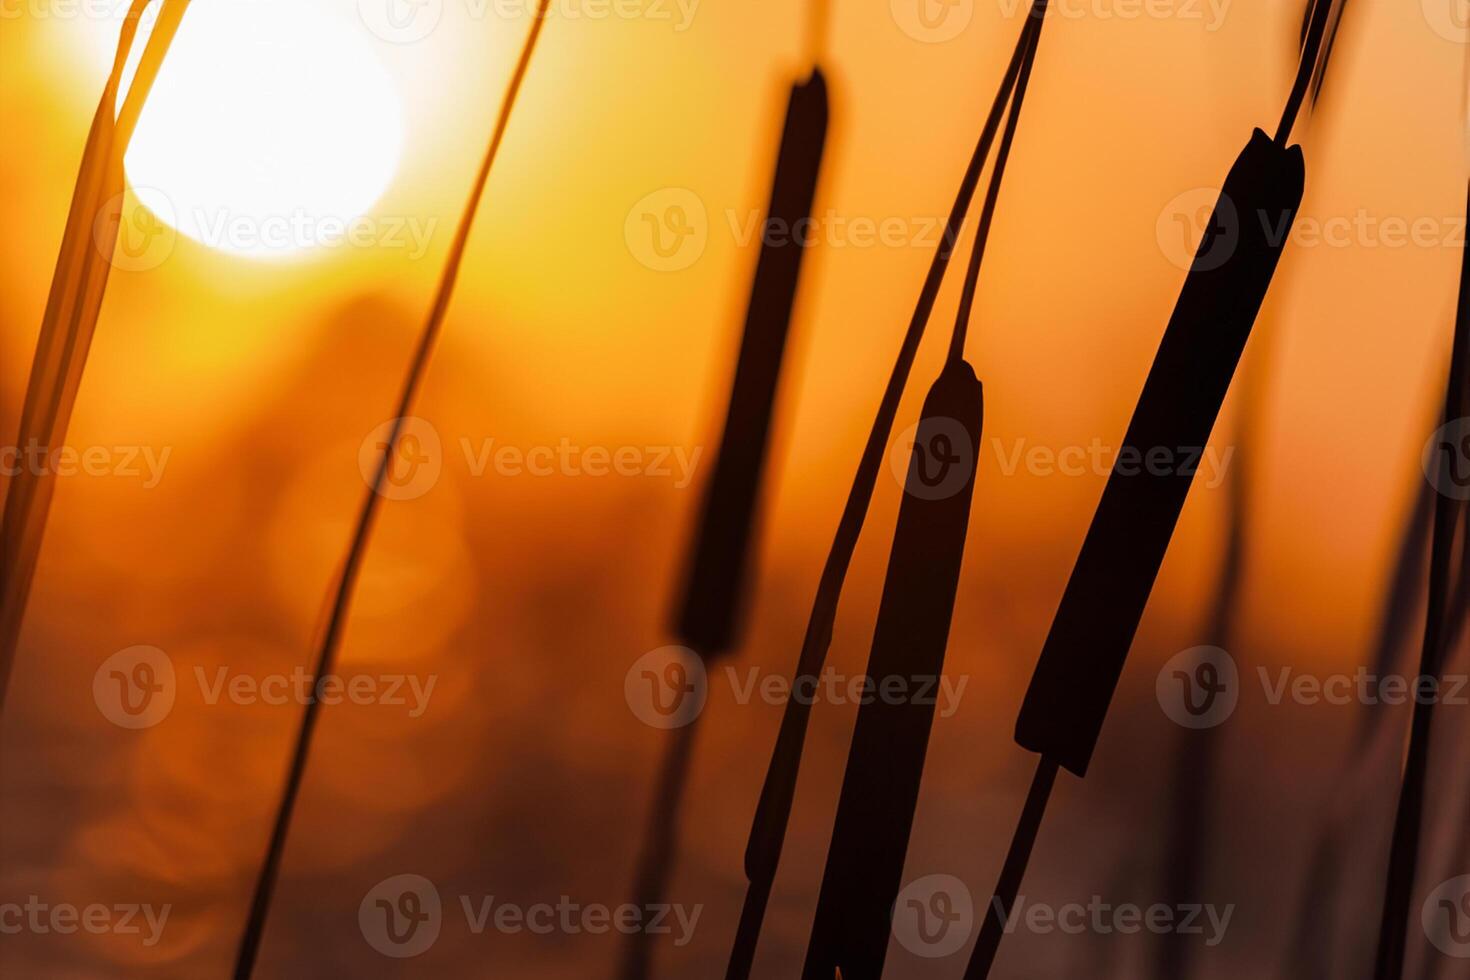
x=763, y=852
x=1439, y=627
x=1316, y=920
x=708, y=615
x=72, y=310
x=712, y=595
x=1083, y=658
x=1197, y=751
x=346, y=578
x=885, y=765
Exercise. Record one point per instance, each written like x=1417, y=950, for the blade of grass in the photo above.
x=1449, y=513
x=1317, y=919
x=72, y=311
x=346, y=579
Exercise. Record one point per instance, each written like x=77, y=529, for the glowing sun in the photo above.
x=272, y=129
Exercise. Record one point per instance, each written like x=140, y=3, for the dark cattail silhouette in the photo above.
x=880, y=790
x=1084, y=654
x=712, y=596
x=72, y=311
x=1197, y=752
x=885, y=765
x=707, y=616
x=1449, y=516
x=346, y=578
x=1082, y=660
x=773, y=811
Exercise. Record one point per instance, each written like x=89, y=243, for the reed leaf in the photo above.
x=73, y=308
x=346, y=577
x=1449, y=516
x=1316, y=920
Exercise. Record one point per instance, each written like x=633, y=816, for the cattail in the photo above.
x=72, y=311
x=1197, y=752
x=880, y=789
x=773, y=812
x=1083, y=657
x=1084, y=654
x=346, y=579
x=707, y=616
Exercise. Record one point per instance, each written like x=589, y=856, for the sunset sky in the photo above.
x=252, y=373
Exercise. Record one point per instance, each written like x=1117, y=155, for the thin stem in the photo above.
x=1013, y=871
x=656, y=864
x=73, y=308
x=1448, y=519
x=818, y=22
x=1031, y=36
x=347, y=578
x=1305, y=68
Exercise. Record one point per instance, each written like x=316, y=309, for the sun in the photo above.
x=272, y=129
